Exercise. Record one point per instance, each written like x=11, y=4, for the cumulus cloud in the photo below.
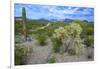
x=64, y=11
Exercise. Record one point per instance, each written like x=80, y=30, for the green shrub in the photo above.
x=87, y=30
x=56, y=44
x=89, y=40
x=20, y=53
x=19, y=39
x=90, y=31
x=41, y=39
x=52, y=60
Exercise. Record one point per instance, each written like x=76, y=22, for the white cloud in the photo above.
x=68, y=10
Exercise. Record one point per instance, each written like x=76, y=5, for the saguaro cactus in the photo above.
x=24, y=23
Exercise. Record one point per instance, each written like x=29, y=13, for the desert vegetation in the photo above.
x=43, y=41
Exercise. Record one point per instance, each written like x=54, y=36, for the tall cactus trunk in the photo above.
x=24, y=31
x=24, y=23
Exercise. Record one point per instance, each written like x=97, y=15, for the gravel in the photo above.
x=41, y=54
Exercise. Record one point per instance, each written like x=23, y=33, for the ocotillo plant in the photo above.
x=24, y=23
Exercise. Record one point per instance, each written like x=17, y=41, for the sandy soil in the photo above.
x=41, y=54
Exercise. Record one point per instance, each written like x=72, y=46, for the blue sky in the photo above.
x=48, y=12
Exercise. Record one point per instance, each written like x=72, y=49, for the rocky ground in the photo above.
x=41, y=54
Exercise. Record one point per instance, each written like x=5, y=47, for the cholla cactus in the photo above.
x=60, y=33
x=73, y=30
x=70, y=37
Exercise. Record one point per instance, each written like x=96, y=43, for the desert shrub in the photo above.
x=18, y=26
x=73, y=33
x=90, y=31
x=58, y=35
x=20, y=53
x=41, y=39
x=51, y=60
x=70, y=37
x=87, y=28
x=89, y=40
x=18, y=39
x=56, y=44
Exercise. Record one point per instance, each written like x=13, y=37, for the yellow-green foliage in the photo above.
x=69, y=32
x=41, y=39
x=73, y=30
x=60, y=33
x=20, y=53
